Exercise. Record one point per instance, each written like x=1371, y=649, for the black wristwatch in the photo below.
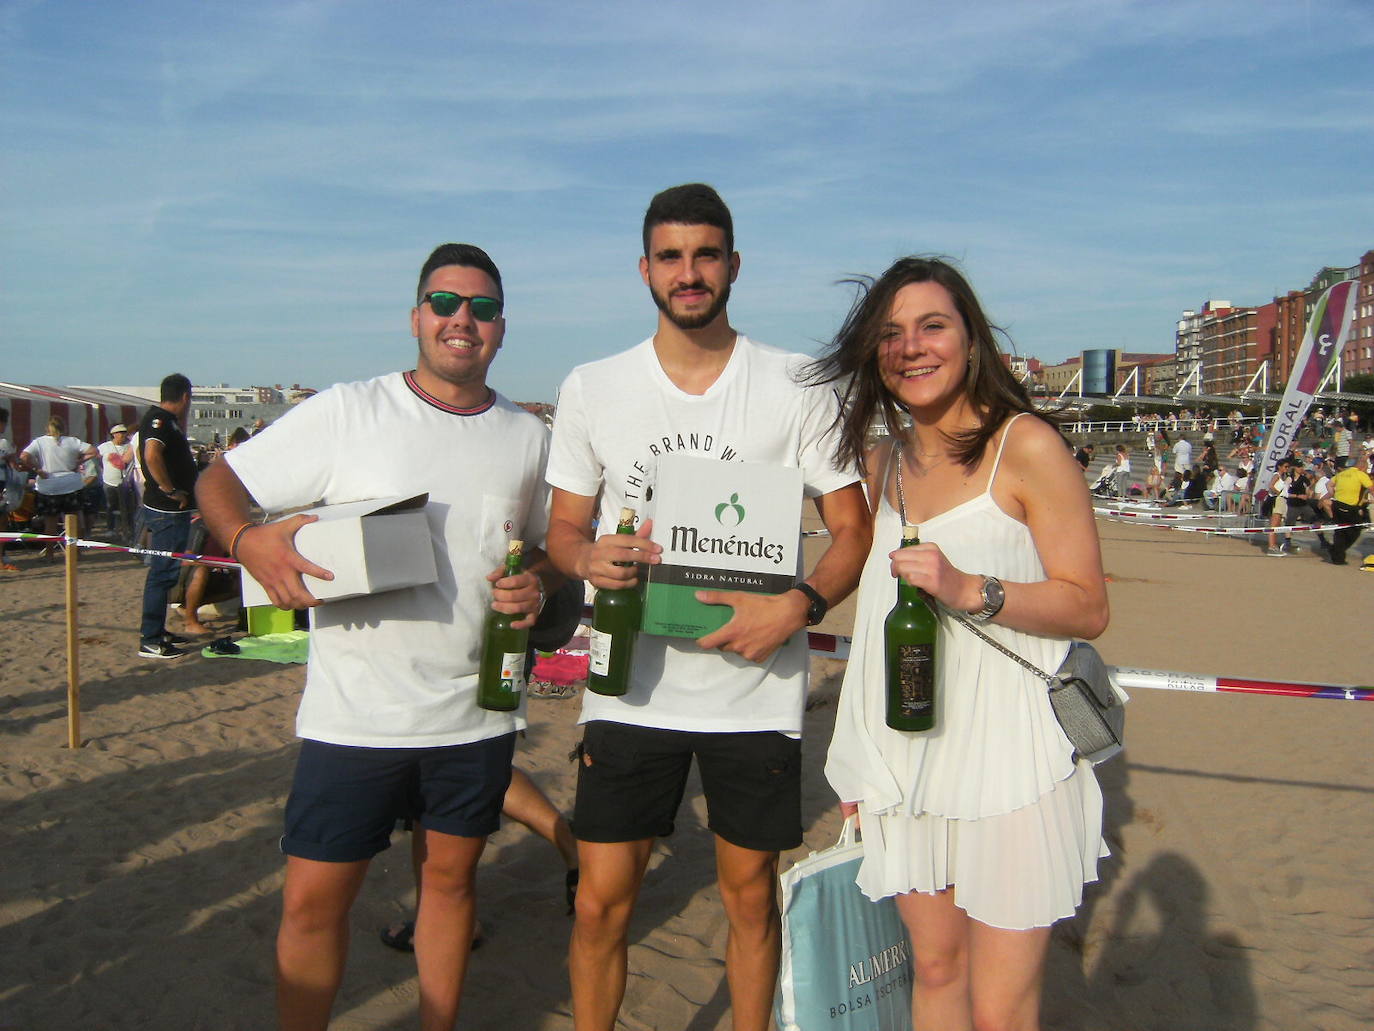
x=816, y=610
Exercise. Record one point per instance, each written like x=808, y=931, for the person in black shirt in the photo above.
x=169, y=480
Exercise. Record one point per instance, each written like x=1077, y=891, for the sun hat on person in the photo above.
x=118, y=428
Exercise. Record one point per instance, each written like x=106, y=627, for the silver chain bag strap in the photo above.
x=1086, y=704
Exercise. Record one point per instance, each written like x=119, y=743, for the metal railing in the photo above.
x=1222, y=428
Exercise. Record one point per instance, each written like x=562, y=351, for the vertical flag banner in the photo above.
x=1326, y=334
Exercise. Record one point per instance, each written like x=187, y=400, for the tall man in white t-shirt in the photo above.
x=732, y=700
x=389, y=715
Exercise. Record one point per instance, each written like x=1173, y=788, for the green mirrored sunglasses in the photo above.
x=444, y=303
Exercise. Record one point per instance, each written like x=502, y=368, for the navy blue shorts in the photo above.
x=345, y=800
x=630, y=783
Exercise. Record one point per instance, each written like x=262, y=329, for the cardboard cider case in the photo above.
x=370, y=547
x=727, y=526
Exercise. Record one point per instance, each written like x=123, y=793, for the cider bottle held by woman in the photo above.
x=616, y=618
x=909, y=633
x=501, y=676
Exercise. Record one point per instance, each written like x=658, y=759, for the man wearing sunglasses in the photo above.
x=733, y=700
x=389, y=716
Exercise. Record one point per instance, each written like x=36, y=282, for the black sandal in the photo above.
x=403, y=938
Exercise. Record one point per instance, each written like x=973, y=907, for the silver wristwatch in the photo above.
x=994, y=597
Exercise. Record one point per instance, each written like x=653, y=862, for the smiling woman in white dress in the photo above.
x=986, y=828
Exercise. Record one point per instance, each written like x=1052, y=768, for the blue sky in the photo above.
x=245, y=191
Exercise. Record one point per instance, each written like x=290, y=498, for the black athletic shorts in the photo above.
x=630, y=782
x=345, y=800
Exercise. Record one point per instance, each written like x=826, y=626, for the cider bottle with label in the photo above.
x=616, y=616
x=909, y=634
x=501, y=676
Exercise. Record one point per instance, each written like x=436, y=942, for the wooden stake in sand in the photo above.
x=71, y=528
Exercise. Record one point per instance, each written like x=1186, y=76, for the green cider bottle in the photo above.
x=909, y=635
x=501, y=676
x=616, y=616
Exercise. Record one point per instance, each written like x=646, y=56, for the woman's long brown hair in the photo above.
x=851, y=363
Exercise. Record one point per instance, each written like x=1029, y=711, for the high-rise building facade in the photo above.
x=1359, y=347
x=1229, y=347
x=1189, y=346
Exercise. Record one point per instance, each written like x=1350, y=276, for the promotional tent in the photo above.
x=89, y=412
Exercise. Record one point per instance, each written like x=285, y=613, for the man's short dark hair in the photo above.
x=238, y=436
x=693, y=204
x=465, y=254
x=175, y=387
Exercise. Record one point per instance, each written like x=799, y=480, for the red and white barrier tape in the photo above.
x=1153, y=679
x=1305, y=528
x=1119, y=513
x=77, y=542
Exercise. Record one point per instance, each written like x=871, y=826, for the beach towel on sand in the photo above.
x=293, y=646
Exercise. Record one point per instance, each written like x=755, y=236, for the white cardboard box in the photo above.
x=369, y=546
x=724, y=526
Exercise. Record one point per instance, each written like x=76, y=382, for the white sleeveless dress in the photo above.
x=990, y=801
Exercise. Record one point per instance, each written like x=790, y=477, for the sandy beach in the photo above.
x=140, y=881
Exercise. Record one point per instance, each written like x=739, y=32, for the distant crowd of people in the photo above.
x=134, y=482
x=58, y=474
x=1325, y=480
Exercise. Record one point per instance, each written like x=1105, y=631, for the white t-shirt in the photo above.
x=399, y=669
x=1183, y=456
x=60, y=458
x=112, y=474
x=615, y=417
x=57, y=454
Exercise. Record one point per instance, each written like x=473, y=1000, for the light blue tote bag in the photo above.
x=846, y=961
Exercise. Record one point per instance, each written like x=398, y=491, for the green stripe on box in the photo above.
x=673, y=611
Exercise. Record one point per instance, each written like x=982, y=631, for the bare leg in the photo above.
x=939, y=932
x=1008, y=968
x=195, y=595
x=748, y=882
x=312, y=942
x=51, y=528
x=526, y=804
x=443, y=925
x=611, y=876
